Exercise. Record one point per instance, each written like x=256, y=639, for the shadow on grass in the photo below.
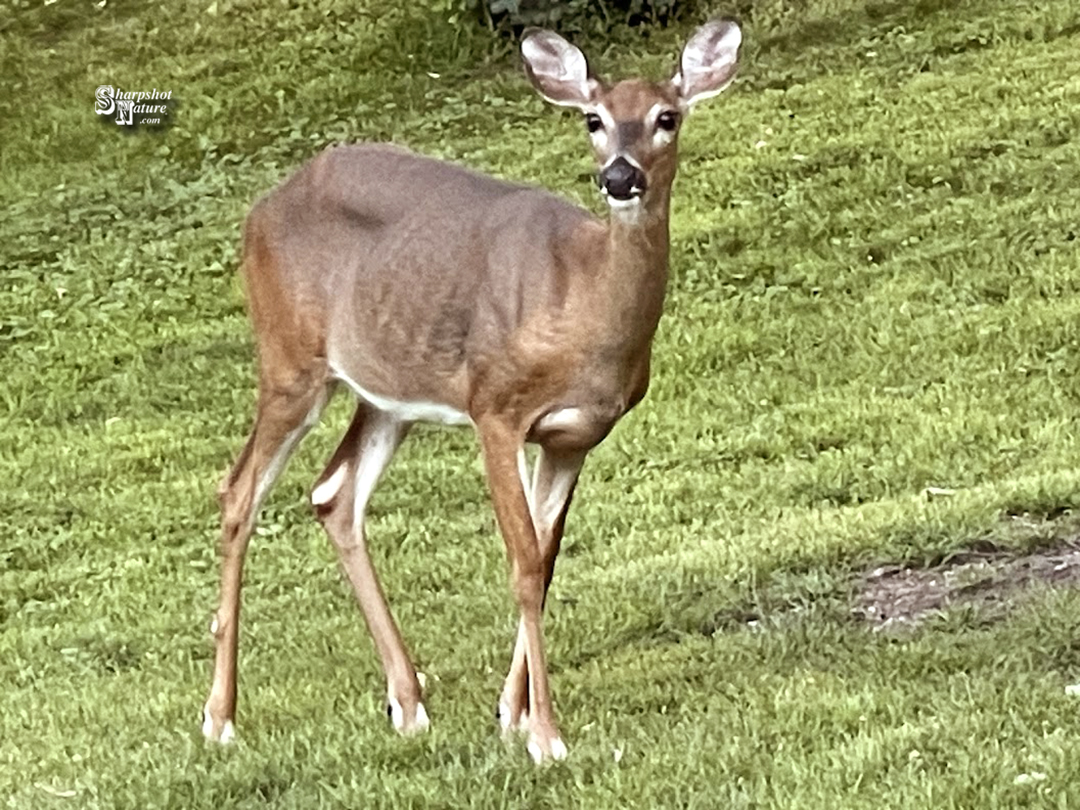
x=983, y=577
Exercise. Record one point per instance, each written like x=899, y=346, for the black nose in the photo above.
x=622, y=180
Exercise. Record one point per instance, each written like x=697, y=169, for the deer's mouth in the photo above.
x=622, y=181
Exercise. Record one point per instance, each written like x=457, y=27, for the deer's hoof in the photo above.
x=216, y=730
x=510, y=721
x=549, y=750
x=407, y=725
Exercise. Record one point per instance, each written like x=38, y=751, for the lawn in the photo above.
x=867, y=363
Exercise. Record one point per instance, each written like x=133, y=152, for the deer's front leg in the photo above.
x=283, y=418
x=501, y=444
x=552, y=487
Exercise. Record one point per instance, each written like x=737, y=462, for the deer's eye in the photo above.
x=667, y=120
x=593, y=122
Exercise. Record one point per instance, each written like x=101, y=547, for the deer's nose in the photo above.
x=622, y=180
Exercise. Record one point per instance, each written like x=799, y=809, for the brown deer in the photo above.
x=437, y=294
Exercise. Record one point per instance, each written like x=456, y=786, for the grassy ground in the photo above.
x=875, y=291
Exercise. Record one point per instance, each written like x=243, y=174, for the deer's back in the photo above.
x=414, y=264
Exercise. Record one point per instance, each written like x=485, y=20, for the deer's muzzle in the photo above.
x=622, y=180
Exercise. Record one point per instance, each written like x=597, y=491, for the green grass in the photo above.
x=875, y=290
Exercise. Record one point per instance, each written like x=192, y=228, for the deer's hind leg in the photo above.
x=284, y=416
x=340, y=498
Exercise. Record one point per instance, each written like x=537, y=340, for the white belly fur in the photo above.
x=406, y=411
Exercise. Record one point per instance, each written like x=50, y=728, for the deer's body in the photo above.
x=328, y=252
x=438, y=294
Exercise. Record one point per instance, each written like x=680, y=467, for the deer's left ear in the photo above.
x=709, y=61
x=557, y=69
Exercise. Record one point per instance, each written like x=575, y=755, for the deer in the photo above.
x=437, y=294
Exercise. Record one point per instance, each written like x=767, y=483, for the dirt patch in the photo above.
x=896, y=597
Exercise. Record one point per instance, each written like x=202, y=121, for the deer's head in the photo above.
x=633, y=124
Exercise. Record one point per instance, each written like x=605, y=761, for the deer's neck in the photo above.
x=637, y=269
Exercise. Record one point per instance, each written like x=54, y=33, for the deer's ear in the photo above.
x=557, y=69
x=709, y=61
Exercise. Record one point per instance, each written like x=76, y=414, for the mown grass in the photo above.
x=875, y=291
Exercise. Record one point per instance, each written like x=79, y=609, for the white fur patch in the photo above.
x=274, y=468
x=701, y=54
x=397, y=717
x=397, y=714
x=661, y=137
x=325, y=491
x=702, y=58
x=601, y=137
x=214, y=626
x=381, y=438
x=523, y=474
x=422, y=721
x=562, y=418
x=558, y=750
x=626, y=211
x=281, y=457
x=561, y=63
x=628, y=158
x=504, y=718
x=605, y=116
x=548, y=510
x=228, y=733
x=406, y=411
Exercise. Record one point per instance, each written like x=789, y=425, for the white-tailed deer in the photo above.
x=437, y=294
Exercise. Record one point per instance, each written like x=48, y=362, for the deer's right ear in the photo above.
x=557, y=69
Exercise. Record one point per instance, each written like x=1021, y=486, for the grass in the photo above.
x=875, y=291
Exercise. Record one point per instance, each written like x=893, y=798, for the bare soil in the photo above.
x=897, y=597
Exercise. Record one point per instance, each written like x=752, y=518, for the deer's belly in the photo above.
x=407, y=410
